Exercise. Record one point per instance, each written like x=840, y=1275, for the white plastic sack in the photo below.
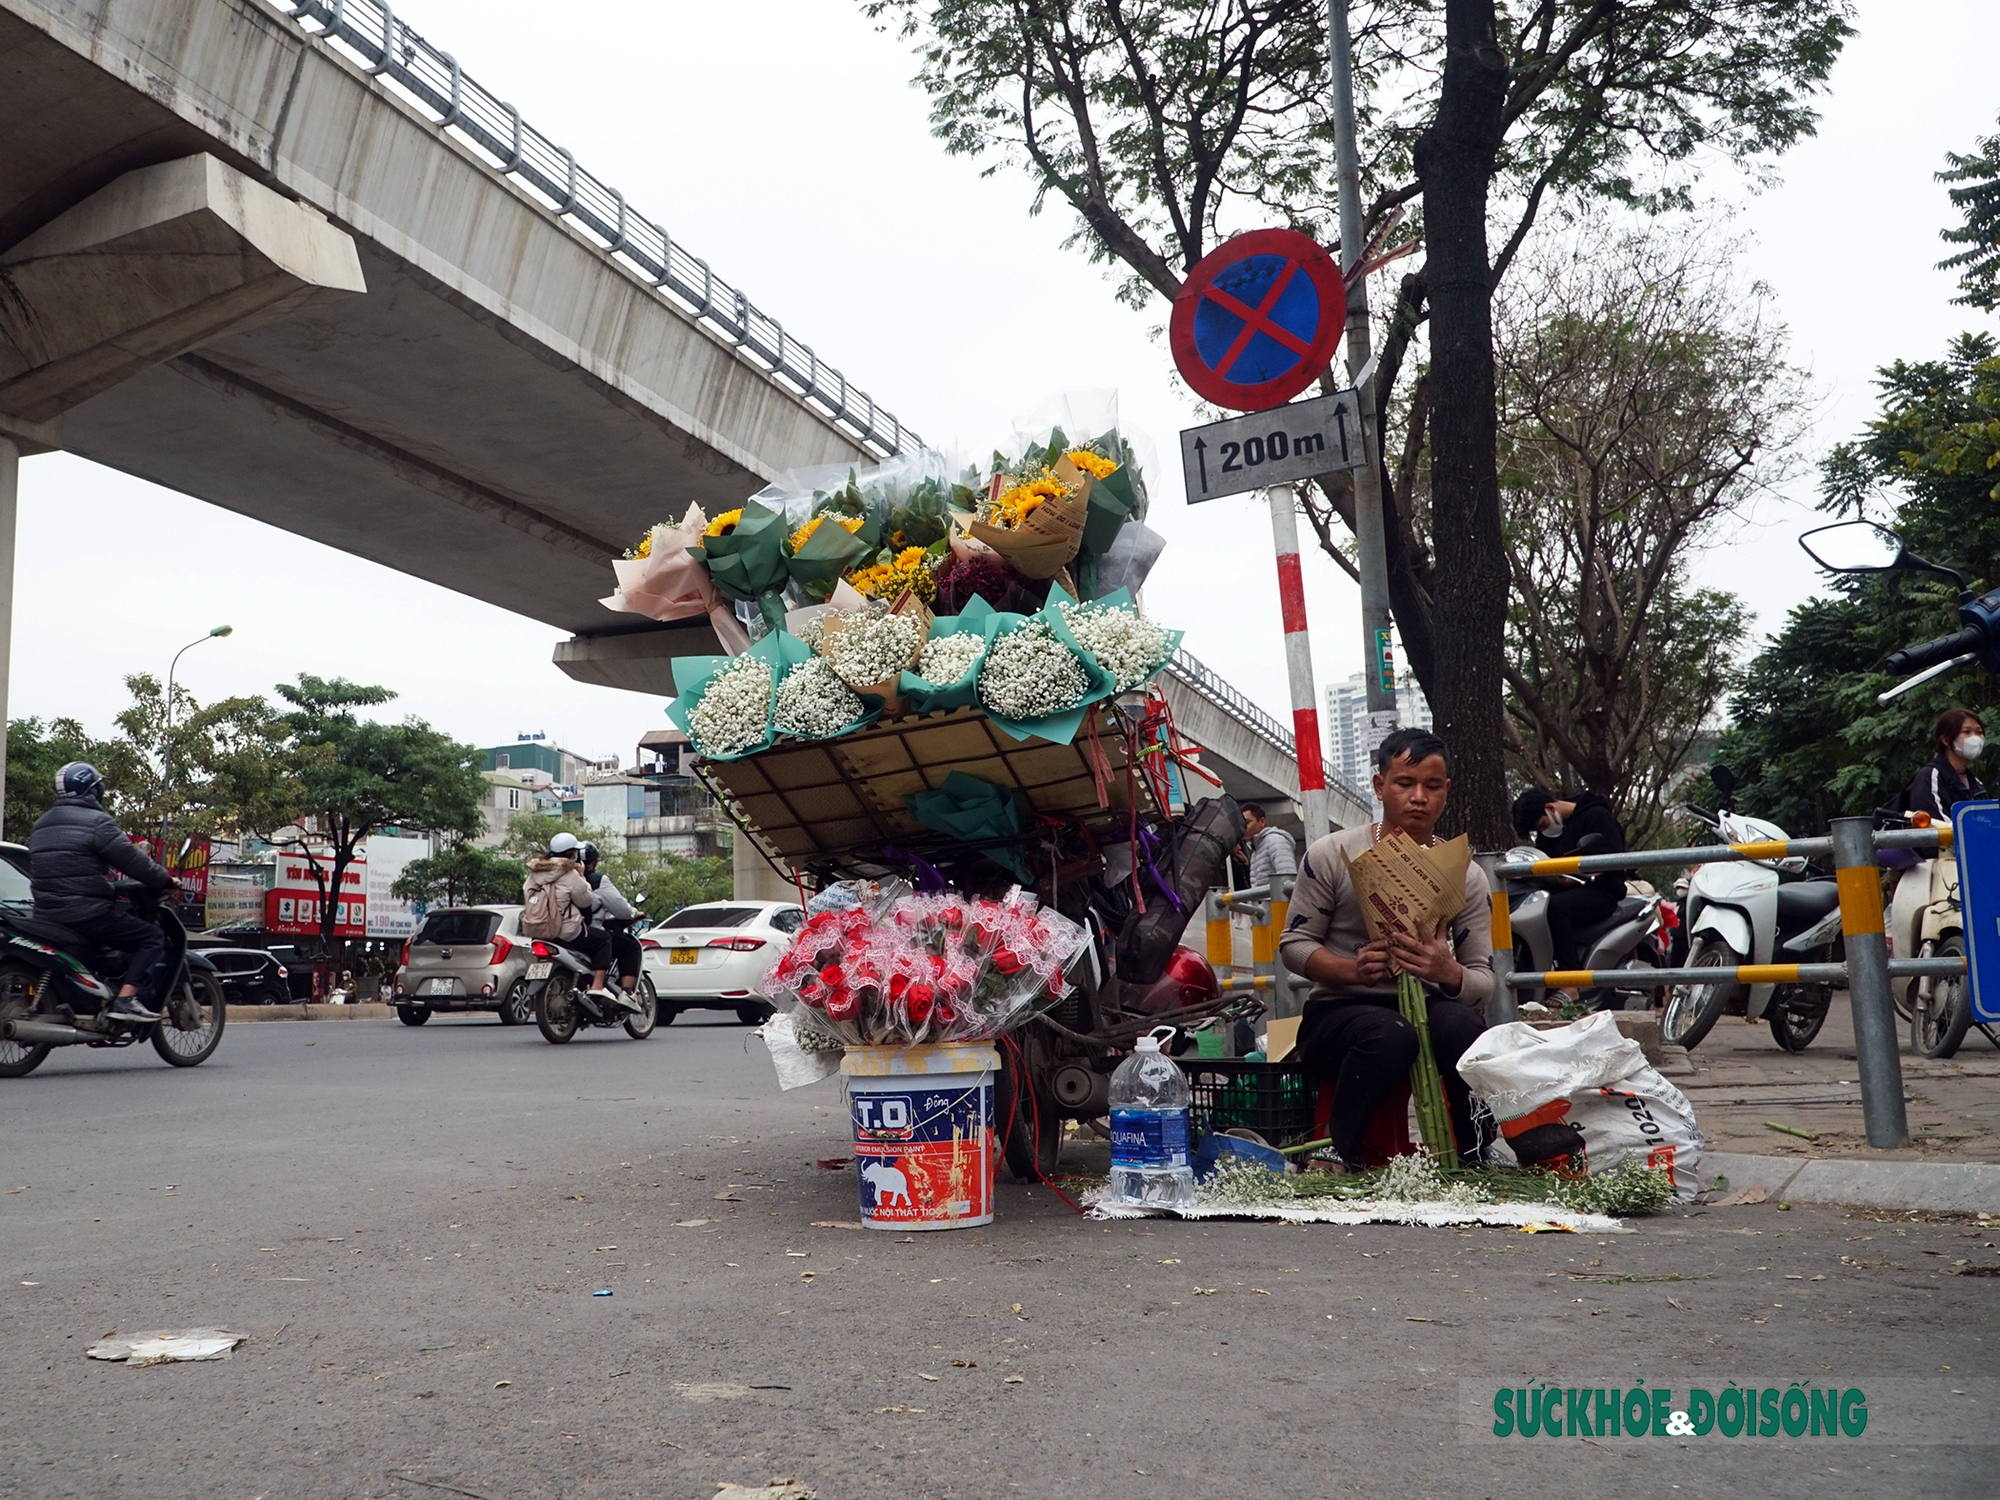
x=1618, y=1100
x=796, y=1067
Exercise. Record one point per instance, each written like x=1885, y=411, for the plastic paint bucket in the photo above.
x=923, y=1134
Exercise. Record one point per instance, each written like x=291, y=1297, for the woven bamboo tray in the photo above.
x=833, y=803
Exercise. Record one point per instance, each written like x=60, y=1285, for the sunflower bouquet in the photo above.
x=744, y=552
x=892, y=574
x=664, y=578
x=1034, y=517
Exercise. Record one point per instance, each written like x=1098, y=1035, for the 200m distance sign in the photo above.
x=1258, y=319
x=1272, y=447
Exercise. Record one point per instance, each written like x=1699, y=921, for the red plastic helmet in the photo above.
x=1187, y=981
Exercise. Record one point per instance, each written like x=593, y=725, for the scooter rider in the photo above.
x=572, y=898
x=613, y=907
x=72, y=845
x=1558, y=825
x=1946, y=779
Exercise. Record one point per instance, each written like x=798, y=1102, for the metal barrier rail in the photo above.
x=1866, y=972
x=387, y=48
x=1645, y=979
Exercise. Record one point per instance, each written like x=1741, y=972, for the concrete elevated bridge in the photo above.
x=292, y=260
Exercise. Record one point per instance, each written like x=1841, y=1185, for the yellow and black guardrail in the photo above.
x=1865, y=974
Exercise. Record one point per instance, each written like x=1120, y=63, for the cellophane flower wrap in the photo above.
x=1124, y=642
x=665, y=578
x=744, y=552
x=928, y=968
x=1084, y=427
x=1036, y=679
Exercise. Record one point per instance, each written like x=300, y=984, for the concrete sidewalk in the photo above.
x=371, y=1011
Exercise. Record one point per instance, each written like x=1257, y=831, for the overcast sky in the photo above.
x=780, y=140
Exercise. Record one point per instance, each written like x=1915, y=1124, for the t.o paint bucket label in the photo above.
x=923, y=1150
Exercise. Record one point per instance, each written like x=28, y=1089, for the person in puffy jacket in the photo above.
x=73, y=844
x=612, y=907
x=573, y=898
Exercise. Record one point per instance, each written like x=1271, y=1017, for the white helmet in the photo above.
x=564, y=845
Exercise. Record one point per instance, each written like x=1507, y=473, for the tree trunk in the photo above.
x=1454, y=160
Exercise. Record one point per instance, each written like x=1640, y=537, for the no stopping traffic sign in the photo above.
x=1258, y=319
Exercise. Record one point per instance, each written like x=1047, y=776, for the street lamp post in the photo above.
x=167, y=761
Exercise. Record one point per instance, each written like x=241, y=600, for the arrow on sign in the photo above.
x=1201, y=457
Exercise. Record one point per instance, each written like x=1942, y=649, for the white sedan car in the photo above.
x=714, y=956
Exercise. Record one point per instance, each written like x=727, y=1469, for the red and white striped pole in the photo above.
x=1298, y=661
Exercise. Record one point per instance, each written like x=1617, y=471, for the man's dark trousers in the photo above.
x=1366, y=1050
x=113, y=928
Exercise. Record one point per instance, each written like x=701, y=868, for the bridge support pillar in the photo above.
x=10, y=494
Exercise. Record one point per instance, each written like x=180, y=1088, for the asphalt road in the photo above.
x=409, y=1225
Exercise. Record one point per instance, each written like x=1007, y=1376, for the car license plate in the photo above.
x=684, y=955
x=437, y=987
x=539, y=971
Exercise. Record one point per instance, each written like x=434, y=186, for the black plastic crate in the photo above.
x=1273, y=1099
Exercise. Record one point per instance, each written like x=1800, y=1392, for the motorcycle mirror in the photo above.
x=1589, y=843
x=1864, y=547
x=1723, y=779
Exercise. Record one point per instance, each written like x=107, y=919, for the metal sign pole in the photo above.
x=1298, y=661
x=1868, y=983
x=1371, y=559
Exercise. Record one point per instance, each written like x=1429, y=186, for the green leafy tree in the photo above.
x=1164, y=125
x=357, y=776
x=36, y=750
x=1644, y=403
x=1806, y=735
x=674, y=881
x=1975, y=191
x=462, y=875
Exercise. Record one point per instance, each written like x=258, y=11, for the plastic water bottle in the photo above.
x=1150, y=1165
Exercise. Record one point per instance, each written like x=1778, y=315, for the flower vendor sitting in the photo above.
x=1352, y=1033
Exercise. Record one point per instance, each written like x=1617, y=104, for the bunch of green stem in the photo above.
x=1433, y=1119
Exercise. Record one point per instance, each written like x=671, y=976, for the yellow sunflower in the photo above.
x=804, y=533
x=1095, y=466
x=723, y=524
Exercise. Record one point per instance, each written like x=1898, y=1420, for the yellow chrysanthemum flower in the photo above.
x=1096, y=466
x=725, y=523
x=645, y=547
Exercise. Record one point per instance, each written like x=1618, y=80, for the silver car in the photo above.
x=466, y=958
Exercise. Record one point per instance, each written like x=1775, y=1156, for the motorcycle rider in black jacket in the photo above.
x=74, y=842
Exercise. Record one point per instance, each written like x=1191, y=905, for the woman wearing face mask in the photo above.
x=1947, y=778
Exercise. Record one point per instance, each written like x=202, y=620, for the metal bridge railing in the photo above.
x=1250, y=716
x=387, y=48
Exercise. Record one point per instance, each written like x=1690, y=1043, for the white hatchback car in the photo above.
x=714, y=956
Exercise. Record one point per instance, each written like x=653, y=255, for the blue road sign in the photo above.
x=1976, y=836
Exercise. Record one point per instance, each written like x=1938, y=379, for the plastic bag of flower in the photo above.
x=1036, y=679
x=946, y=674
x=1034, y=518
x=1061, y=428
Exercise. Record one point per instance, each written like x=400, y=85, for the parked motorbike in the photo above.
x=55, y=990
x=558, y=986
x=1743, y=913
x=1634, y=936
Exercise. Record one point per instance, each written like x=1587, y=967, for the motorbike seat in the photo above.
x=1625, y=911
x=1804, y=902
x=54, y=934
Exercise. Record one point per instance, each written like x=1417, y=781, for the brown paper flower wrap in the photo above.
x=1412, y=889
x=1048, y=536
x=670, y=583
x=888, y=687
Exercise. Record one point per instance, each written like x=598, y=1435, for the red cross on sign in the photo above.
x=1258, y=319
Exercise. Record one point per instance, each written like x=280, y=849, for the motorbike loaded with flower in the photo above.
x=938, y=715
